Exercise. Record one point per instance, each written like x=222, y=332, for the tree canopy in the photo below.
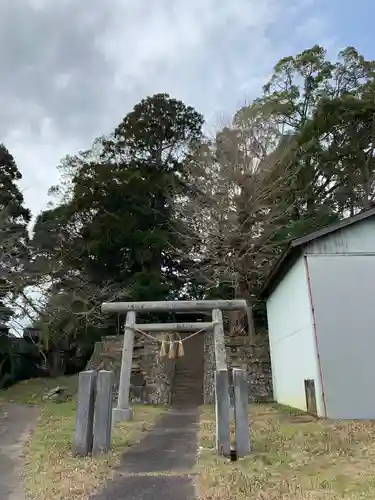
x=157, y=210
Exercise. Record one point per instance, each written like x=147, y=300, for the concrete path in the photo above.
x=160, y=466
x=16, y=422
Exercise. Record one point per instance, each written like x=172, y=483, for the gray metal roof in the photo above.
x=294, y=249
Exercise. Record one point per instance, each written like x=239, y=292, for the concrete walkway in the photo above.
x=160, y=466
x=16, y=422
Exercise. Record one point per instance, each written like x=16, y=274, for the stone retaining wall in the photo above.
x=249, y=353
x=152, y=377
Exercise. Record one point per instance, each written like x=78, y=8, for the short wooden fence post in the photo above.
x=241, y=412
x=103, y=413
x=83, y=436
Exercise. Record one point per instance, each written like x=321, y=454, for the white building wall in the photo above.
x=292, y=341
x=343, y=291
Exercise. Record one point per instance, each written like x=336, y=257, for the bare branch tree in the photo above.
x=38, y=287
x=237, y=205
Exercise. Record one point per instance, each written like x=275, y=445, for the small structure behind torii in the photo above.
x=123, y=410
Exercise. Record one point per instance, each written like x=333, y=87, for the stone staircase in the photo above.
x=187, y=385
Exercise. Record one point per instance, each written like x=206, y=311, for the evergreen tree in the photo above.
x=14, y=218
x=328, y=109
x=129, y=231
x=115, y=235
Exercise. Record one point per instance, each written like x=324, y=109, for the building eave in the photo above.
x=296, y=246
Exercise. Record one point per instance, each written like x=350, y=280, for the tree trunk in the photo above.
x=55, y=362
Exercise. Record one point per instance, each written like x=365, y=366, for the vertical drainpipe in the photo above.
x=315, y=335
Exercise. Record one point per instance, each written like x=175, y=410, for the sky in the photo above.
x=72, y=69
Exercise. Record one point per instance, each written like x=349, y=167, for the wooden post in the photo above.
x=123, y=411
x=103, y=413
x=241, y=412
x=222, y=403
x=250, y=320
x=83, y=436
x=222, y=409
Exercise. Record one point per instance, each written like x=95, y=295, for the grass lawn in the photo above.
x=294, y=457
x=51, y=471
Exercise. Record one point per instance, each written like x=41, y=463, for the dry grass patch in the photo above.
x=51, y=471
x=294, y=457
x=32, y=391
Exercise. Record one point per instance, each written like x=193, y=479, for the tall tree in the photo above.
x=114, y=233
x=14, y=218
x=325, y=105
x=125, y=199
x=296, y=159
x=236, y=207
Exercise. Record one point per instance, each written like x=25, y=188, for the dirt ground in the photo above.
x=16, y=422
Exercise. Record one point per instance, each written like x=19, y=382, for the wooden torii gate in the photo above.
x=123, y=410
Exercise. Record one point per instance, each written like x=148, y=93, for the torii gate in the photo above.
x=123, y=410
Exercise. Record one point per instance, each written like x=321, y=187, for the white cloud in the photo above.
x=38, y=161
x=93, y=60
x=62, y=80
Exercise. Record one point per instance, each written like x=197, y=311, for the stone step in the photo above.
x=188, y=370
x=187, y=387
x=188, y=394
x=188, y=390
x=180, y=383
x=188, y=376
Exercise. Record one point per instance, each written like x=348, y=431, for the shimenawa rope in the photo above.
x=173, y=352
